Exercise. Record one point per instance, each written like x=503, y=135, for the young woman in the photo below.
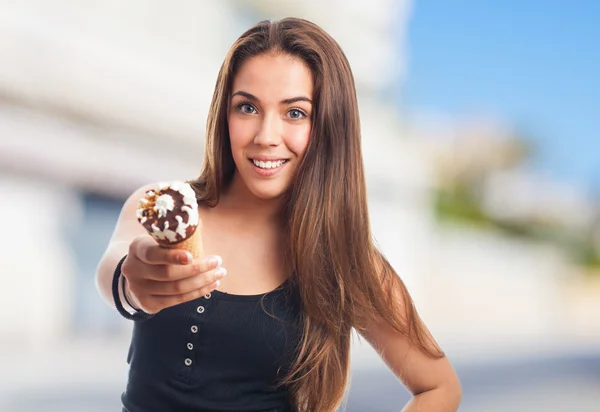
x=263, y=321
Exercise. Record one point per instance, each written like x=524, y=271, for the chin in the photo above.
x=265, y=188
x=267, y=193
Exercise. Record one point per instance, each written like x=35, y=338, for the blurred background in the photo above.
x=482, y=152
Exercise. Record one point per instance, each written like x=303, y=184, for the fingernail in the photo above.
x=186, y=258
x=218, y=282
x=216, y=260
x=221, y=271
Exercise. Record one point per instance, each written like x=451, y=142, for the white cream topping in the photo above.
x=181, y=227
x=165, y=204
x=169, y=235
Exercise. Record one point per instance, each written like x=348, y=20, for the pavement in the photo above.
x=89, y=375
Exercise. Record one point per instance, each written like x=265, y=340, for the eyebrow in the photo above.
x=284, y=101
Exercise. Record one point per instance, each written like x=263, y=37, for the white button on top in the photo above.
x=188, y=361
x=190, y=346
x=207, y=296
x=194, y=329
x=200, y=309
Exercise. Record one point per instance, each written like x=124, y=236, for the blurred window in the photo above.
x=89, y=240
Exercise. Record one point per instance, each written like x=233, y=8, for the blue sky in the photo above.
x=535, y=64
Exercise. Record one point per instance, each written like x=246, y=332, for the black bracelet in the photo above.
x=139, y=315
x=125, y=294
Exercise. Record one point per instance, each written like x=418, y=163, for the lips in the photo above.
x=269, y=164
x=267, y=158
x=268, y=168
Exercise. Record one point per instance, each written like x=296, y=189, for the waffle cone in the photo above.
x=193, y=244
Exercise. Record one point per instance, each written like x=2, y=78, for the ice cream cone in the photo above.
x=193, y=244
x=170, y=215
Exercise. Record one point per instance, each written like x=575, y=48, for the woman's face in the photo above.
x=270, y=121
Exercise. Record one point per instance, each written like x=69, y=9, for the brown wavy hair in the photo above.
x=343, y=280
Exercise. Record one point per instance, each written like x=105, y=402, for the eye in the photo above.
x=296, y=114
x=246, y=108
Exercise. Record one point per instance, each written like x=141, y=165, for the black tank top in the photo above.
x=219, y=353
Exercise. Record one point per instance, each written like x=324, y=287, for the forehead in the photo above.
x=274, y=77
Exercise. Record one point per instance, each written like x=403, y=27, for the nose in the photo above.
x=269, y=133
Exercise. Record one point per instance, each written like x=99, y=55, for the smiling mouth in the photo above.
x=270, y=164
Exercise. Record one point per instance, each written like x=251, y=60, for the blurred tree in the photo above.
x=463, y=171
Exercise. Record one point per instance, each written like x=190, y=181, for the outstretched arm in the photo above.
x=126, y=229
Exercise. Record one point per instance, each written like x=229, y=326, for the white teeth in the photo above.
x=269, y=164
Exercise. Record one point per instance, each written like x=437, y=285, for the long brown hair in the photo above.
x=343, y=280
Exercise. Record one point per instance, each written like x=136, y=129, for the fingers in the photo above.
x=170, y=273
x=185, y=285
x=155, y=303
x=148, y=251
x=158, y=303
x=202, y=265
x=158, y=286
x=148, y=260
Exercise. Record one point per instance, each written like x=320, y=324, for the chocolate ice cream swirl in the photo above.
x=169, y=213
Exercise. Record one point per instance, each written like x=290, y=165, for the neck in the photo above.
x=238, y=200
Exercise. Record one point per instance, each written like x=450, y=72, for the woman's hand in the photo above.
x=157, y=277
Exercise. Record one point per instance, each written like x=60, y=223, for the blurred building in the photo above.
x=99, y=98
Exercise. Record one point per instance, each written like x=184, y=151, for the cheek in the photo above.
x=239, y=133
x=298, y=139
